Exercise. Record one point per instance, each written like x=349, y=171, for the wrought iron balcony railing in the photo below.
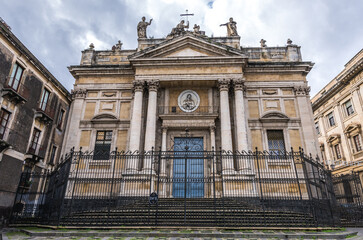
x=45, y=114
x=15, y=91
x=175, y=110
x=37, y=150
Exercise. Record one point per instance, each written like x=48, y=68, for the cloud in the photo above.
x=56, y=31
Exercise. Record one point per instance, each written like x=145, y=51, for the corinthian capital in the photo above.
x=302, y=90
x=78, y=93
x=238, y=84
x=153, y=85
x=223, y=84
x=138, y=86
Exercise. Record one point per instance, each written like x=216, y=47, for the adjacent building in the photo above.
x=33, y=117
x=338, y=118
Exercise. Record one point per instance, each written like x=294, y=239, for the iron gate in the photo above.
x=271, y=189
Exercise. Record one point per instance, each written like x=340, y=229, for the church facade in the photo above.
x=231, y=97
x=188, y=130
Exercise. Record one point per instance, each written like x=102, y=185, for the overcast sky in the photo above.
x=330, y=32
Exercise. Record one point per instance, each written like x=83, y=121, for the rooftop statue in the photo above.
x=231, y=28
x=263, y=43
x=197, y=31
x=141, y=28
x=179, y=29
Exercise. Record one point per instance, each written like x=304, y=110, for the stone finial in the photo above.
x=223, y=84
x=118, y=46
x=91, y=46
x=289, y=41
x=263, y=43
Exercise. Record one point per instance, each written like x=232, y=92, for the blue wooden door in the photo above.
x=188, y=153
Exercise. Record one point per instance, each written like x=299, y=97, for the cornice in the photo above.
x=279, y=67
x=32, y=59
x=342, y=81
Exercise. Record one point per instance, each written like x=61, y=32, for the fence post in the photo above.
x=157, y=187
x=260, y=183
x=75, y=181
x=296, y=173
x=151, y=177
x=307, y=181
x=111, y=188
x=222, y=184
x=65, y=184
x=214, y=185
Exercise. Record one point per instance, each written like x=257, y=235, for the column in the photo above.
x=163, y=149
x=243, y=164
x=135, y=128
x=240, y=115
x=150, y=122
x=226, y=133
x=71, y=138
x=307, y=119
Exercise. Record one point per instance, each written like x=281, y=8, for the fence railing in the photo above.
x=210, y=188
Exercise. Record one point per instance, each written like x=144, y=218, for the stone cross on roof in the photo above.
x=186, y=14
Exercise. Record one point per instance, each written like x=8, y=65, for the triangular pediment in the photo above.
x=189, y=52
x=187, y=46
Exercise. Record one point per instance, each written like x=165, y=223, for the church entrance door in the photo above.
x=188, y=167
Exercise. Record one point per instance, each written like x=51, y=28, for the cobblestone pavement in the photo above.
x=132, y=238
x=135, y=234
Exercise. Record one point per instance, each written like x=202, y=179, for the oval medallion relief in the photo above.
x=188, y=101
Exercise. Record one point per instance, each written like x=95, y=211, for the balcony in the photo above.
x=15, y=93
x=175, y=113
x=46, y=114
x=35, y=153
x=175, y=110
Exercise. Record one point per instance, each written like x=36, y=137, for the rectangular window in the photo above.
x=348, y=108
x=44, y=99
x=15, y=77
x=102, y=145
x=34, y=142
x=337, y=151
x=276, y=142
x=357, y=143
x=52, y=154
x=317, y=128
x=331, y=119
x=60, y=119
x=4, y=120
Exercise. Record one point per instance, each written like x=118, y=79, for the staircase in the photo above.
x=199, y=212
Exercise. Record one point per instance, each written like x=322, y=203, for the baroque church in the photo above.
x=187, y=129
x=223, y=95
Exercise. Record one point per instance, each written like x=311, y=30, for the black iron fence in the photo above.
x=180, y=188
x=349, y=195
